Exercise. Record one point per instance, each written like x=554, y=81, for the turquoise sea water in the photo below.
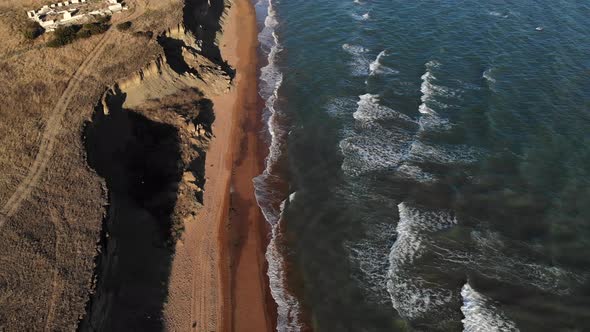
x=437, y=155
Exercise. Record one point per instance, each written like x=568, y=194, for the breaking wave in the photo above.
x=369, y=109
x=498, y=14
x=481, y=314
x=370, y=256
x=412, y=296
x=363, y=17
x=271, y=78
x=360, y=63
x=354, y=49
x=288, y=306
x=377, y=67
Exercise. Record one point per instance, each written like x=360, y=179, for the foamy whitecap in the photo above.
x=490, y=257
x=363, y=17
x=411, y=296
x=488, y=75
x=370, y=257
x=430, y=121
x=377, y=149
x=415, y=173
x=430, y=90
x=341, y=108
x=359, y=64
x=414, y=298
x=498, y=14
x=288, y=307
x=378, y=68
x=369, y=109
x=481, y=314
x=441, y=154
x=354, y=49
x=271, y=78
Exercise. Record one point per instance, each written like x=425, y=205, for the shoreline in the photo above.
x=253, y=308
x=218, y=280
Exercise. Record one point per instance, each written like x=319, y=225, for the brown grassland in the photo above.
x=51, y=208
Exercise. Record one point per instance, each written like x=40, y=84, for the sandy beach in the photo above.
x=218, y=280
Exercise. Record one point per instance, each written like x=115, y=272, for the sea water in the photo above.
x=437, y=160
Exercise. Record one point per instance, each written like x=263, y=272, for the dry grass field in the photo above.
x=51, y=202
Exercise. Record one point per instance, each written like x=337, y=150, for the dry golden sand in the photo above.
x=218, y=284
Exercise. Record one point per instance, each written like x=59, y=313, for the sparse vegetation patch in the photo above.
x=124, y=26
x=32, y=30
x=67, y=35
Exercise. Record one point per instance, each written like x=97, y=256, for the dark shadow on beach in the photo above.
x=141, y=162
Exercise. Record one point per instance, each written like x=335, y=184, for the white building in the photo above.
x=116, y=8
x=46, y=14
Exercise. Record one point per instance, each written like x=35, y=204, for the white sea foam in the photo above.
x=360, y=63
x=377, y=149
x=354, y=49
x=413, y=223
x=415, y=173
x=377, y=67
x=369, y=109
x=430, y=121
x=490, y=256
x=288, y=307
x=271, y=78
x=370, y=256
x=341, y=108
x=363, y=17
x=374, y=148
x=487, y=74
x=481, y=314
x=498, y=14
x=492, y=259
x=412, y=297
x=421, y=152
x=430, y=90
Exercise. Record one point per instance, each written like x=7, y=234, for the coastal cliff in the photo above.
x=148, y=139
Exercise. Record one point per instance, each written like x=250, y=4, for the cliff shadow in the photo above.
x=140, y=160
x=204, y=19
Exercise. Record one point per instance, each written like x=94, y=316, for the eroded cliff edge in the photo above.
x=148, y=139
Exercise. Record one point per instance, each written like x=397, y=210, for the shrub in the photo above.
x=103, y=19
x=95, y=28
x=32, y=30
x=64, y=36
x=144, y=34
x=124, y=26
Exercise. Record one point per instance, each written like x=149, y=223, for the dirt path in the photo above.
x=53, y=126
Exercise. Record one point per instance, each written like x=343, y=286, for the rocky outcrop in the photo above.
x=148, y=140
x=180, y=66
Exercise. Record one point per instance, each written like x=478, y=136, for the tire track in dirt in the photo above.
x=52, y=129
x=53, y=125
